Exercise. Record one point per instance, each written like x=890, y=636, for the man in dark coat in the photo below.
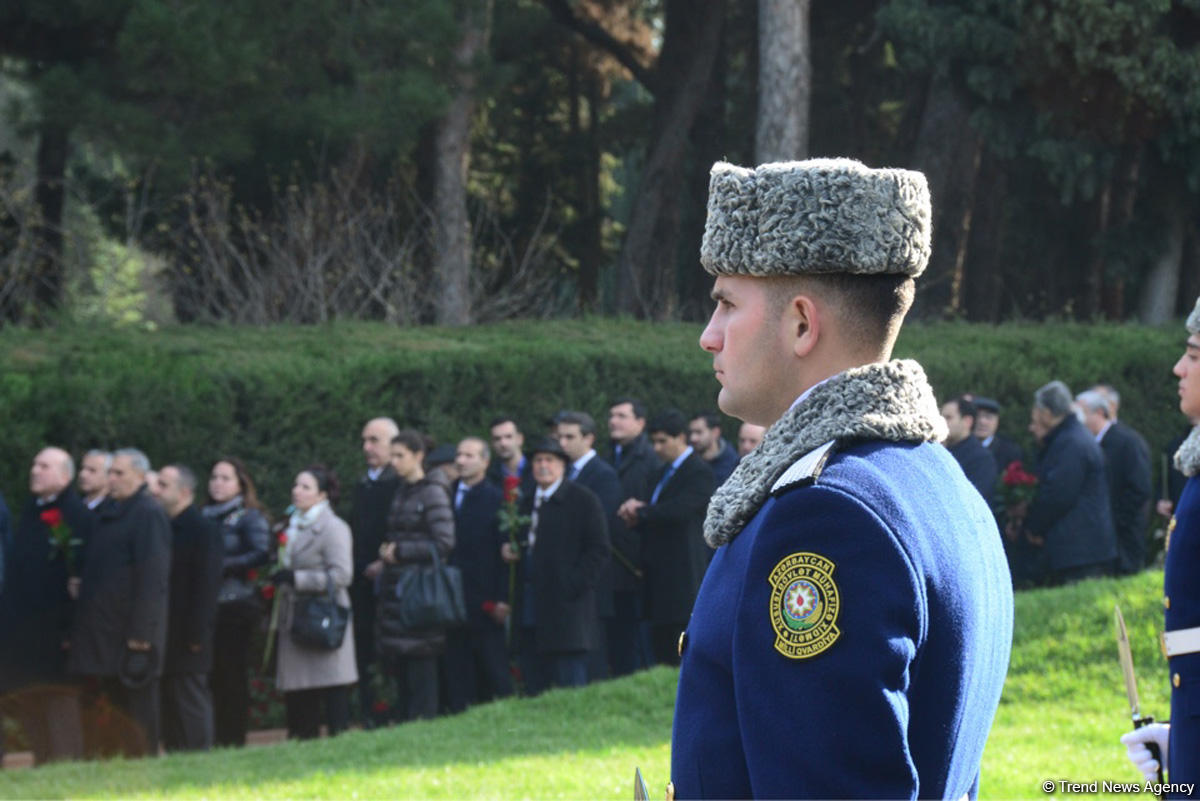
x=196, y=552
x=476, y=655
x=671, y=523
x=120, y=630
x=36, y=610
x=704, y=435
x=576, y=433
x=976, y=463
x=631, y=455
x=508, y=442
x=373, y=496
x=1070, y=514
x=1127, y=464
x=563, y=552
x=987, y=421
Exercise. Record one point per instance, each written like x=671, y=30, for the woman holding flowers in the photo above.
x=246, y=536
x=315, y=554
x=421, y=517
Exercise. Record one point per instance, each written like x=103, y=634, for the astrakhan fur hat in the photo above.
x=816, y=216
x=1193, y=320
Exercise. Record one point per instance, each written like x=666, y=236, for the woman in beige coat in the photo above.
x=318, y=550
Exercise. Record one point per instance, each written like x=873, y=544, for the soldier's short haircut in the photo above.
x=587, y=425
x=1055, y=398
x=137, y=460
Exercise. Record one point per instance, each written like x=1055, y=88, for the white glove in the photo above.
x=1135, y=742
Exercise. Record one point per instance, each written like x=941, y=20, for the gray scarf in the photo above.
x=891, y=402
x=1187, y=458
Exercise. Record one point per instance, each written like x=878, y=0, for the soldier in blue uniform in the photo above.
x=853, y=630
x=1179, y=741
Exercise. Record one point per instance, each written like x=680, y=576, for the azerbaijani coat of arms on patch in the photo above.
x=804, y=605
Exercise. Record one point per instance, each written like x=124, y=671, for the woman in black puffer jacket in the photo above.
x=421, y=515
x=246, y=534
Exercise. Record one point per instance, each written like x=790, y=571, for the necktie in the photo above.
x=670, y=471
x=574, y=472
x=617, y=456
x=533, y=518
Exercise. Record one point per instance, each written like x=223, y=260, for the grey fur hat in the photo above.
x=1193, y=320
x=816, y=216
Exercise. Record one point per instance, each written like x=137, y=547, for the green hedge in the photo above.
x=281, y=397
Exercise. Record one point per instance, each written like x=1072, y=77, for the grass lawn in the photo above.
x=1063, y=709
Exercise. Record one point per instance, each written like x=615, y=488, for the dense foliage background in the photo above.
x=478, y=160
x=282, y=397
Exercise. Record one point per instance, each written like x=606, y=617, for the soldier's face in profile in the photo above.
x=1187, y=369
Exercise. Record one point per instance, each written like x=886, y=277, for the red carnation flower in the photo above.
x=512, y=488
x=380, y=707
x=52, y=517
x=268, y=591
x=283, y=538
x=251, y=575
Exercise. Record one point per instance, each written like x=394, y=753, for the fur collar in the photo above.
x=1187, y=458
x=891, y=402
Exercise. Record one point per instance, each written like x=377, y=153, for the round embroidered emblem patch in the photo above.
x=804, y=605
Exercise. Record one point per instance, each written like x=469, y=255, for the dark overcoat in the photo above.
x=1005, y=452
x=1127, y=462
x=1071, y=510
x=600, y=477
x=851, y=641
x=368, y=524
x=570, y=552
x=673, y=547
x=196, y=554
x=978, y=466
x=477, y=541
x=35, y=610
x=123, y=595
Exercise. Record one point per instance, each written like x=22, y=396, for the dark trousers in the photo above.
x=50, y=717
x=362, y=600
x=303, y=711
x=664, y=639
x=621, y=630
x=476, y=666
x=542, y=670
x=187, y=712
x=229, y=680
x=416, y=686
x=135, y=732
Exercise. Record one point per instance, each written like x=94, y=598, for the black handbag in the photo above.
x=430, y=596
x=319, y=621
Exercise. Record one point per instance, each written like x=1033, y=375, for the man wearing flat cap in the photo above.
x=987, y=420
x=852, y=633
x=563, y=553
x=1179, y=741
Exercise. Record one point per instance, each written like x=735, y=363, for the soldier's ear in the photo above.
x=802, y=321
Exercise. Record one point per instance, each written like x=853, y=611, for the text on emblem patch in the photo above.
x=804, y=605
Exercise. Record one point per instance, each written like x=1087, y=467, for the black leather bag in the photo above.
x=319, y=621
x=430, y=596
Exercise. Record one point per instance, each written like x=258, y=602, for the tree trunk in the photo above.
x=452, y=224
x=784, y=80
x=49, y=196
x=948, y=152
x=591, y=240
x=984, y=265
x=646, y=267
x=1162, y=284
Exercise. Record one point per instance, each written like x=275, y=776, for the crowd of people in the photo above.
x=130, y=604
x=1081, y=506
x=120, y=586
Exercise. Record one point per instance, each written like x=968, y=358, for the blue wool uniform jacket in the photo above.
x=1182, y=611
x=899, y=703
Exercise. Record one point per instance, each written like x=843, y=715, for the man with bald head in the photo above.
x=368, y=523
x=120, y=631
x=36, y=608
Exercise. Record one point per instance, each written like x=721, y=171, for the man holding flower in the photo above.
x=36, y=609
